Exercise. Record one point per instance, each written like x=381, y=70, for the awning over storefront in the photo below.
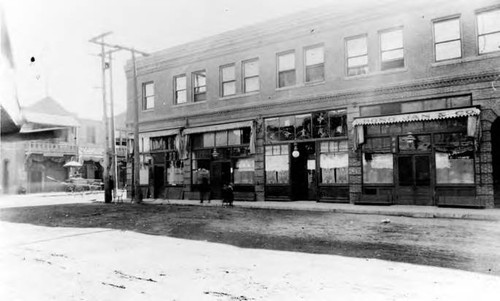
x=162, y=133
x=418, y=116
x=218, y=127
x=472, y=114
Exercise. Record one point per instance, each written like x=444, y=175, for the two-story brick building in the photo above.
x=395, y=103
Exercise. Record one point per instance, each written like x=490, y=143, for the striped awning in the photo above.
x=418, y=116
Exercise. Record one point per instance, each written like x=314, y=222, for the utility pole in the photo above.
x=113, y=139
x=136, y=192
x=107, y=190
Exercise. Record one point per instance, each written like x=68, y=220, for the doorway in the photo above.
x=220, y=174
x=159, y=181
x=35, y=181
x=414, y=180
x=5, y=176
x=495, y=154
x=303, y=172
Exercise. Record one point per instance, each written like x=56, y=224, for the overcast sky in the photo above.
x=56, y=34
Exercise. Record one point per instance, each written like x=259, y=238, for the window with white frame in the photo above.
x=391, y=49
x=357, y=56
x=286, y=69
x=488, y=30
x=180, y=89
x=447, y=42
x=315, y=64
x=148, y=96
x=228, y=80
x=251, y=76
x=199, y=86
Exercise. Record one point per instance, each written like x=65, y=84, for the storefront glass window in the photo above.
x=208, y=140
x=277, y=164
x=221, y=138
x=303, y=126
x=287, y=128
x=175, y=172
x=272, y=129
x=234, y=137
x=334, y=162
x=378, y=168
x=454, y=169
x=244, y=171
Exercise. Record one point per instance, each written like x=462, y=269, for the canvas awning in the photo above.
x=218, y=127
x=418, y=116
x=472, y=114
x=161, y=133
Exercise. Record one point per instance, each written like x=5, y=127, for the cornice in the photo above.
x=340, y=99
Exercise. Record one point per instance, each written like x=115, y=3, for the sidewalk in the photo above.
x=394, y=210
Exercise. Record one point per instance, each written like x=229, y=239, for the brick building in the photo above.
x=395, y=104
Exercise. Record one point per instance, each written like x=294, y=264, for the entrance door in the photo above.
x=159, y=181
x=35, y=181
x=219, y=175
x=414, y=180
x=5, y=177
x=303, y=172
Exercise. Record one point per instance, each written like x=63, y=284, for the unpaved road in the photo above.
x=453, y=243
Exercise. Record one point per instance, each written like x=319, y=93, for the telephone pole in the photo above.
x=112, y=119
x=136, y=192
x=107, y=190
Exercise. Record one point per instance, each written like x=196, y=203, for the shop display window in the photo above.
x=175, y=175
x=277, y=165
x=306, y=126
x=334, y=162
x=454, y=169
x=378, y=168
x=244, y=170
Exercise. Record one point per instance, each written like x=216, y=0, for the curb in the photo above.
x=324, y=208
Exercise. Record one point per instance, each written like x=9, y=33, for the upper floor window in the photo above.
x=228, y=80
x=199, y=86
x=91, y=134
x=148, y=96
x=315, y=64
x=180, y=89
x=286, y=69
x=391, y=49
x=357, y=56
x=447, y=43
x=488, y=30
x=251, y=76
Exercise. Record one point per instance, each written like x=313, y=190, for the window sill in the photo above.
x=316, y=83
x=288, y=88
x=376, y=73
x=148, y=110
x=187, y=104
x=467, y=59
x=229, y=97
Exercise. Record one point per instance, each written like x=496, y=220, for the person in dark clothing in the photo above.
x=204, y=190
x=227, y=195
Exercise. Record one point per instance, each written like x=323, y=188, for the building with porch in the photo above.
x=394, y=103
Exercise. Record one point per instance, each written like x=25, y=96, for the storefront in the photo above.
x=227, y=152
x=306, y=157
x=161, y=170
x=420, y=158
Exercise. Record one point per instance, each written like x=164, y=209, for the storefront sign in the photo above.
x=423, y=116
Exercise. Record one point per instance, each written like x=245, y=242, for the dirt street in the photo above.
x=453, y=243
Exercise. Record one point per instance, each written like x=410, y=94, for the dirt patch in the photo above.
x=460, y=244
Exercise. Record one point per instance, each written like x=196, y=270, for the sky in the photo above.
x=56, y=34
